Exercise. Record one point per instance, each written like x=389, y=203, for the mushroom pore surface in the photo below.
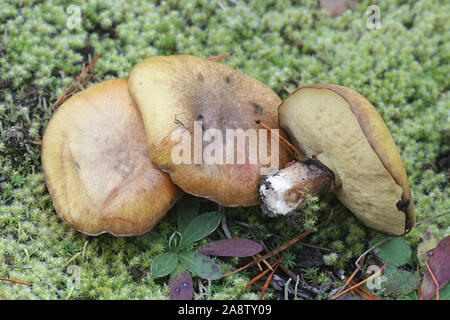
x=341, y=129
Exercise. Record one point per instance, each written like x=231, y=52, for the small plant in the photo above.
x=182, y=259
x=314, y=277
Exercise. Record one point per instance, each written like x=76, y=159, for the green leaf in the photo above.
x=444, y=293
x=410, y=296
x=175, y=240
x=187, y=210
x=164, y=264
x=200, y=227
x=401, y=282
x=201, y=265
x=395, y=252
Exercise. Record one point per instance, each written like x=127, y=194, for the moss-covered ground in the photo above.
x=402, y=68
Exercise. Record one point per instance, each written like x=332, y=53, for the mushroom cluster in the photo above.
x=108, y=151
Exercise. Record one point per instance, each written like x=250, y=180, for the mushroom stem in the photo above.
x=285, y=191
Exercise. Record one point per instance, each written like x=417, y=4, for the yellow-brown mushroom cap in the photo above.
x=175, y=91
x=345, y=132
x=97, y=167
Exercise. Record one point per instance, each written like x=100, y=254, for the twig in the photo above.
x=222, y=236
x=391, y=237
x=419, y=287
x=80, y=87
x=266, y=284
x=281, y=238
x=359, y=284
x=347, y=282
x=3, y=298
x=289, y=91
x=290, y=273
x=16, y=281
x=221, y=5
x=258, y=264
x=267, y=250
x=220, y=56
x=259, y=276
x=224, y=222
x=370, y=249
x=77, y=80
x=289, y=146
x=283, y=246
x=53, y=287
x=418, y=223
x=364, y=293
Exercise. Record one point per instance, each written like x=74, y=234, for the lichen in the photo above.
x=402, y=68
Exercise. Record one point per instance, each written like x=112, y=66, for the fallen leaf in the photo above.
x=335, y=7
x=439, y=262
x=232, y=248
x=427, y=242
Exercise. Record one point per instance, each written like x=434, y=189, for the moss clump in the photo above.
x=401, y=68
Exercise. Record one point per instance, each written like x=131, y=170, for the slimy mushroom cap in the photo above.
x=97, y=167
x=175, y=92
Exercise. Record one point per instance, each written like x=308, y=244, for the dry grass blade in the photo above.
x=346, y=283
x=16, y=281
x=436, y=283
x=76, y=82
x=80, y=86
x=266, y=284
x=289, y=91
x=283, y=246
x=259, y=276
x=419, y=286
x=361, y=257
x=360, y=283
x=363, y=292
x=220, y=56
x=292, y=149
x=350, y=279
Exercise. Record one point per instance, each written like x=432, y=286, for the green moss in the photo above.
x=401, y=68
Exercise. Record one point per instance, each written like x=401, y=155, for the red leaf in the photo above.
x=439, y=262
x=181, y=286
x=232, y=248
x=335, y=7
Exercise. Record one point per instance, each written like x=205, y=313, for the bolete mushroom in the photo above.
x=348, y=149
x=182, y=97
x=97, y=167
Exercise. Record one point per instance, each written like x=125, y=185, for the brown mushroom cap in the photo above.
x=174, y=91
x=343, y=130
x=97, y=167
